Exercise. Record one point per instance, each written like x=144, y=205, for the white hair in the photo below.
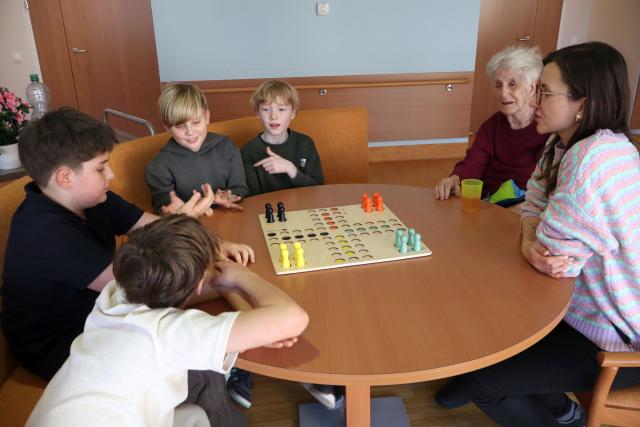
x=527, y=59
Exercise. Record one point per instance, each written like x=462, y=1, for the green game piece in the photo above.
x=399, y=234
x=417, y=246
x=412, y=232
x=403, y=245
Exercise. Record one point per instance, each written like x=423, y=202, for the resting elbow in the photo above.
x=298, y=319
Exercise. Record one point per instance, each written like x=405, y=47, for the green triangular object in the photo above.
x=507, y=190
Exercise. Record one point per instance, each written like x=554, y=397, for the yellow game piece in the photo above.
x=296, y=246
x=283, y=247
x=299, y=257
x=286, y=263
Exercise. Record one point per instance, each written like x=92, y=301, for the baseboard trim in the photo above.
x=417, y=152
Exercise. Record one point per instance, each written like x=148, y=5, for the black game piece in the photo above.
x=269, y=213
x=281, y=216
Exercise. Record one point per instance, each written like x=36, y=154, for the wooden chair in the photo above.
x=340, y=134
x=613, y=407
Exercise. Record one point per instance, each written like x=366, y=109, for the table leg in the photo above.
x=358, y=406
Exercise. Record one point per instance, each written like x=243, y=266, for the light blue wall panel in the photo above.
x=233, y=39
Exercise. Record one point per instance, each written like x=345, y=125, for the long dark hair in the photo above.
x=596, y=72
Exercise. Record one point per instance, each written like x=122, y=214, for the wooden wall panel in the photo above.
x=53, y=53
x=400, y=107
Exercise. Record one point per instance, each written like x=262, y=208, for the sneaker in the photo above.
x=574, y=417
x=331, y=397
x=239, y=387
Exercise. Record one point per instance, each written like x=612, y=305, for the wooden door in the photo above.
x=635, y=112
x=110, y=46
x=504, y=23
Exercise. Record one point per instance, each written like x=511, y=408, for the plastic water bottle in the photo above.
x=38, y=97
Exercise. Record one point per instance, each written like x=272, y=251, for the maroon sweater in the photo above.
x=501, y=153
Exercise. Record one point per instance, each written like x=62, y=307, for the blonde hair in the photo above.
x=180, y=102
x=271, y=90
x=527, y=59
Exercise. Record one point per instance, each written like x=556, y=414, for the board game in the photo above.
x=338, y=236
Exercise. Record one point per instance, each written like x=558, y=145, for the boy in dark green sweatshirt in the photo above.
x=279, y=158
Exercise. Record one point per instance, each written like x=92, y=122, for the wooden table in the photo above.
x=473, y=303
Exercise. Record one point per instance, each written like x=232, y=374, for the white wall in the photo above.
x=235, y=39
x=18, y=57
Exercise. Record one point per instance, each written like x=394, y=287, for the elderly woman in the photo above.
x=507, y=145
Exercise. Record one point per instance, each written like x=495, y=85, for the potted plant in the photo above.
x=13, y=111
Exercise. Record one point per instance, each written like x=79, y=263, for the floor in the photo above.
x=275, y=402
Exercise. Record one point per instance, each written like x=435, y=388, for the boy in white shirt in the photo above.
x=130, y=365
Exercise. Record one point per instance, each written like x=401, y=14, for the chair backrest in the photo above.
x=127, y=161
x=11, y=196
x=340, y=134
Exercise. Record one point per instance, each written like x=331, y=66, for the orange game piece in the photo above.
x=364, y=198
x=379, y=204
x=368, y=207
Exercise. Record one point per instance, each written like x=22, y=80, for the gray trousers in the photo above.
x=208, y=390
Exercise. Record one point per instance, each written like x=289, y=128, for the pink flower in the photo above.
x=12, y=116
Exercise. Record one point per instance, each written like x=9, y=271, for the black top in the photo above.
x=52, y=255
x=298, y=149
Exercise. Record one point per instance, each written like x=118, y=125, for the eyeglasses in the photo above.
x=540, y=92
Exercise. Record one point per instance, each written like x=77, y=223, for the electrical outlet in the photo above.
x=322, y=8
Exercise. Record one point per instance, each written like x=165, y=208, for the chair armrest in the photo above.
x=620, y=359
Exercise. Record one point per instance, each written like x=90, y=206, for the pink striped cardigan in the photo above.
x=594, y=216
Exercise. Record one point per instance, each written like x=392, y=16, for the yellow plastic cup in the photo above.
x=471, y=193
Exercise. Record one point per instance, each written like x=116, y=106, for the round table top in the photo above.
x=474, y=302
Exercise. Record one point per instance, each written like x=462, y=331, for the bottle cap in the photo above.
x=34, y=77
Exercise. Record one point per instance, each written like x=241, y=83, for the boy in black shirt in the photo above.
x=62, y=238
x=279, y=158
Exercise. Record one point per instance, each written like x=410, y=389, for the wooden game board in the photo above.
x=337, y=236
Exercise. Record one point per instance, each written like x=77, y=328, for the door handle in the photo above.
x=524, y=39
x=76, y=50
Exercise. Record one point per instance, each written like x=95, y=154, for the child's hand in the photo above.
x=276, y=164
x=238, y=252
x=289, y=342
x=196, y=206
x=229, y=274
x=227, y=199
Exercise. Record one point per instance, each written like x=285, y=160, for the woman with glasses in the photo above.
x=581, y=219
x=507, y=145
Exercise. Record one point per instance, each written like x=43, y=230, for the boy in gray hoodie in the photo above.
x=193, y=157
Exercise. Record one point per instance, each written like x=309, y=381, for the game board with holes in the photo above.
x=338, y=236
